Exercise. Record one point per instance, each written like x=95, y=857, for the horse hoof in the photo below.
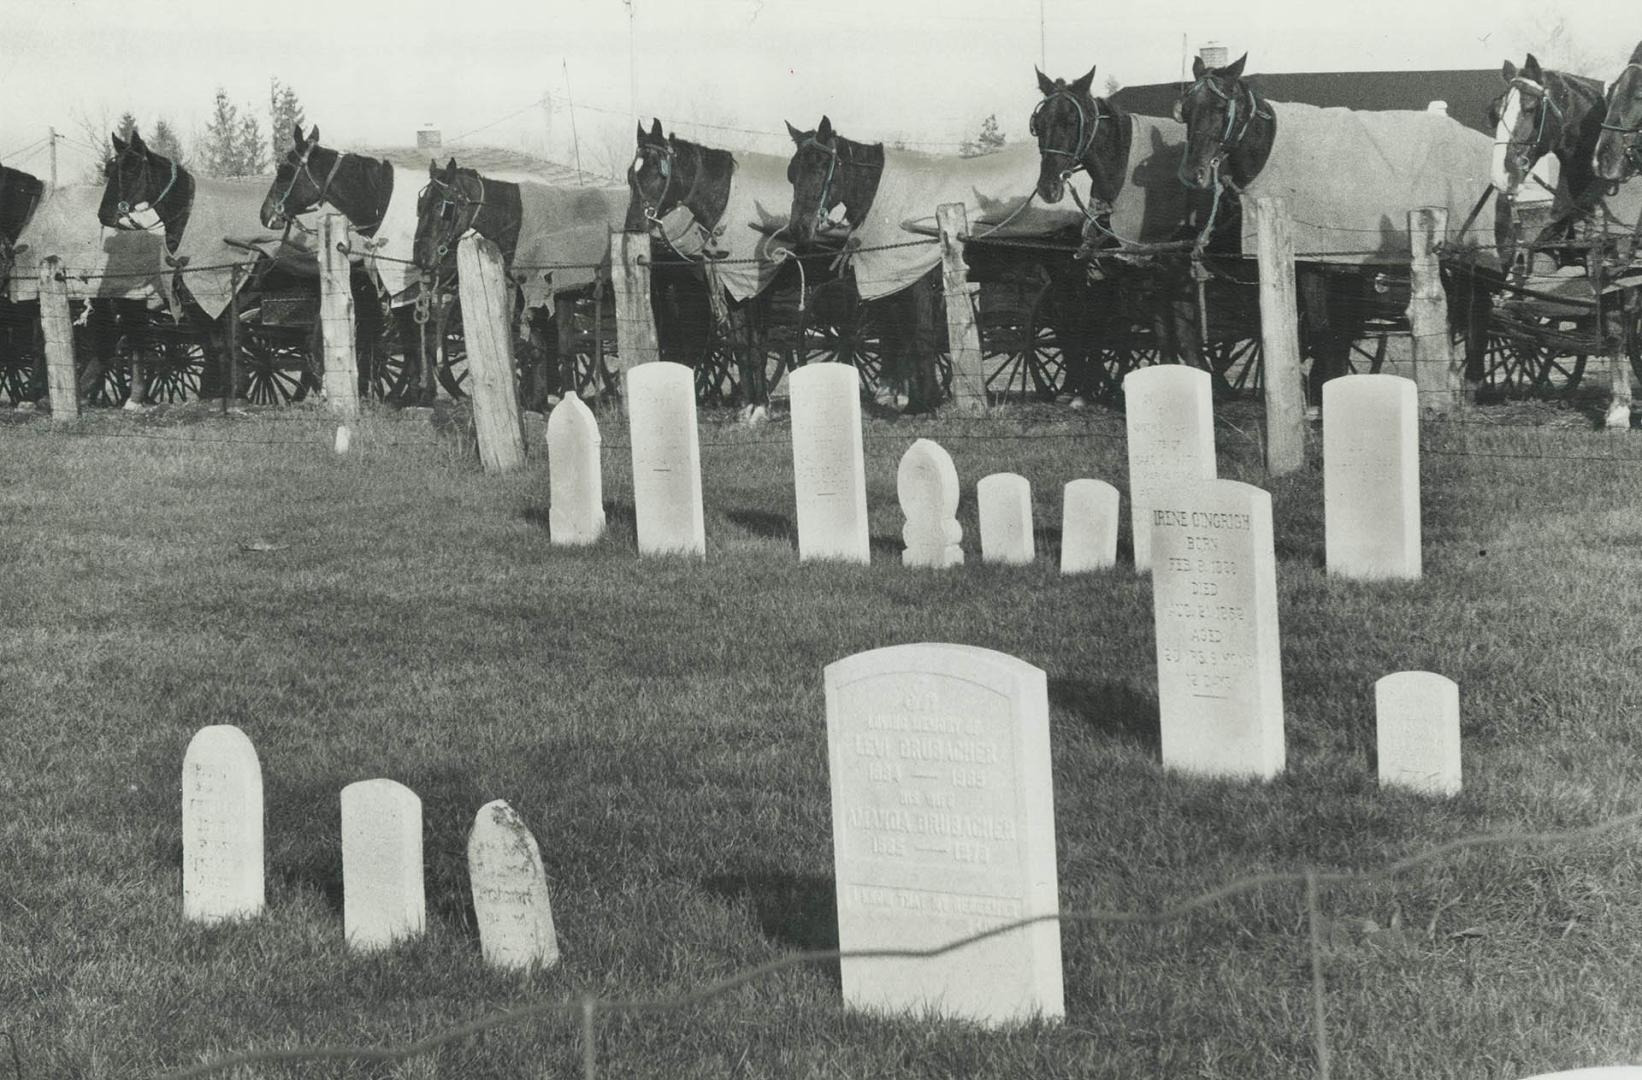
x=1077, y=402
x=756, y=415
x=132, y=406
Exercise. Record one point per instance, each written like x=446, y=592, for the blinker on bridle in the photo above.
x=458, y=199
x=300, y=168
x=1228, y=141
x=123, y=207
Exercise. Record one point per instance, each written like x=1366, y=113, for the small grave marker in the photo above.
x=1169, y=413
x=510, y=900
x=575, y=513
x=927, y=484
x=1005, y=504
x=222, y=843
x=829, y=464
x=1088, y=531
x=382, y=890
x=1417, y=724
x=667, y=508
x=1371, y=477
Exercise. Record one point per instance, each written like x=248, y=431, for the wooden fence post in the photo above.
x=487, y=307
x=336, y=317
x=62, y=387
x=1280, y=339
x=630, y=280
x=963, y=339
x=1436, y=376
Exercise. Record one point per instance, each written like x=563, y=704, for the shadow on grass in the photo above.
x=1110, y=707
x=797, y=910
x=886, y=547
x=764, y=524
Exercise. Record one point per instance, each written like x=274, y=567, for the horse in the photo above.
x=21, y=365
x=362, y=189
x=1617, y=156
x=828, y=171
x=668, y=175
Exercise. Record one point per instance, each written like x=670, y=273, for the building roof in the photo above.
x=1468, y=92
x=493, y=162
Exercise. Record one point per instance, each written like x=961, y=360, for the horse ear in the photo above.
x=1081, y=86
x=433, y=169
x=655, y=129
x=1531, y=70
x=641, y=132
x=797, y=136
x=1636, y=54
x=825, y=130
x=1045, y=83
x=1235, y=71
x=1508, y=72
x=1199, y=69
x=137, y=140
x=313, y=136
x=119, y=143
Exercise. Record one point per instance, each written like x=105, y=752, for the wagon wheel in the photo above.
x=277, y=365
x=1021, y=351
x=1532, y=354
x=715, y=368
x=1237, y=364
x=841, y=329
x=22, y=362
x=452, y=363
x=173, y=360
x=387, y=365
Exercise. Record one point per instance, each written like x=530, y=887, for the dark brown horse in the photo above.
x=1618, y=154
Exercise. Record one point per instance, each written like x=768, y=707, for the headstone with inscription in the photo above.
x=829, y=464
x=222, y=845
x=1169, y=414
x=1004, y=502
x=1088, y=530
x=661, y=418
x=575, y=513
x=1214, y=603
x=1417, y=724
x=1371, y=477
x=510, y=900
x=943, y=827
x=382, y=891
x=927, y=484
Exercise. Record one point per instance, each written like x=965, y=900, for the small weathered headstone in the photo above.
x=829, y=464
x=510, y=900
x=1371, y=477
x=661, y=417
x=382, y=891
x=344, y=439
x=222, y=845
x=1005, y=506
x=1214, y=603
x=1088, y=530
x=1169, y=414
x=944, y=827
x=1417, y=724
x=927, y=485
x=575, y=513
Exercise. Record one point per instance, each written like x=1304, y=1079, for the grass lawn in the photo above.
x=660, y=727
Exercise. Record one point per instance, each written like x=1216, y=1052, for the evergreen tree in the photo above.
x=219, y=155
x=163, y=140
x=284, y=113
x=253, y=151
x=127, y=124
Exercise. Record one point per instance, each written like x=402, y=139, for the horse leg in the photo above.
x=1317, y=337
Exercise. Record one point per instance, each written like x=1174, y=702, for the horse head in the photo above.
x=301, y=181
x=136, y=179
x=650, y=177
x=444, y=212
x=1078, y=131
x=1226, y=124
x=827, y=171
x=1617, y=154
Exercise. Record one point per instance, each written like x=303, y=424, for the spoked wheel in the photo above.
x=277, y=365
x=1018, y=343
x=587, y=341
x=843, y=330
x=452, y=369
x=1530, y=354
x=1237, y=363
x=173, y=359
x=387, y=367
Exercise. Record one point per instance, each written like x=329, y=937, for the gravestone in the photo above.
x=1417, y=724
x=222, y=845
x=1371, y=477
x=382, y=892
x=927, y=485
x=510, y=900
x=1088, y=531
x=661, y=417
x=944, y=827
x=829, y=464
x=1169, y=410
x=575, y=513
x=1005, y=505
x=1214, y=604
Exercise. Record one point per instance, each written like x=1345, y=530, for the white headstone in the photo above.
x=344, y=438
x=1417, y=720
x=1005, y=504
x=927, y=484
x=943, y=827
x=1214, y=597
x=575, y=513
x=661, y=416
x=382, y=892
x=829, y=464
x=510, y=898
x=1088, y=530
x=1371, y=476
x=1169, y=410
x=222, y=875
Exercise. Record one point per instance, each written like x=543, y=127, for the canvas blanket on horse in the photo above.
x=395, y=237
x=223, y=210
x=760, y=197
x=564, y=237
x=65, y=224
x=1350, y=178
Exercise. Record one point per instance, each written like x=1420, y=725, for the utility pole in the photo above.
x=570, y=102
x=547, y=124
x=1043, y=58
x=54, y=138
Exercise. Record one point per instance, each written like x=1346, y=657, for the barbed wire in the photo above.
x=589, y=1007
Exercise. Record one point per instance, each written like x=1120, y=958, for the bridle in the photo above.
x=299, y=168
x=451, y=195
x=653, y=211
x=124, y=207
x=1232, y=136
x=1628, y=134
x=831, y=150
x=1086, y=129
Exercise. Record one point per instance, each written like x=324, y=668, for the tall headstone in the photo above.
x=1088, y=530
x=1005, y=505
x=927, y=484
x=829, y=464
x=510, y=900
x=1371, y=477
x=1214, y=602
x=944, y=827
x=222, y=846
x=661, y=416
x=382, y=891
x=1417, y=721
x=1169, y=410
x=575, y=513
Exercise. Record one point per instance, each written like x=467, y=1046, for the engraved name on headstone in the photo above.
x=382, y=890
x=1004, y=503
x=510, y=900
x=1371, y=477
x=1169, y=414
x=1088, y=531
x=944, y=827
x=575, y=481
x=829, y=463
x=1214, y=597
x=1417, y=724
x=927, y=485
x=661, y=418
x=222, y=844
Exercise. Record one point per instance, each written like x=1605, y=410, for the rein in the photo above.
x=1086, y=130
x=1228, y=141
x=279, y=207
x=125, y=209
x=653, y=211
x=821, y=207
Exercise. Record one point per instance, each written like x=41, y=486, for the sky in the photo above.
x=562, y=77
